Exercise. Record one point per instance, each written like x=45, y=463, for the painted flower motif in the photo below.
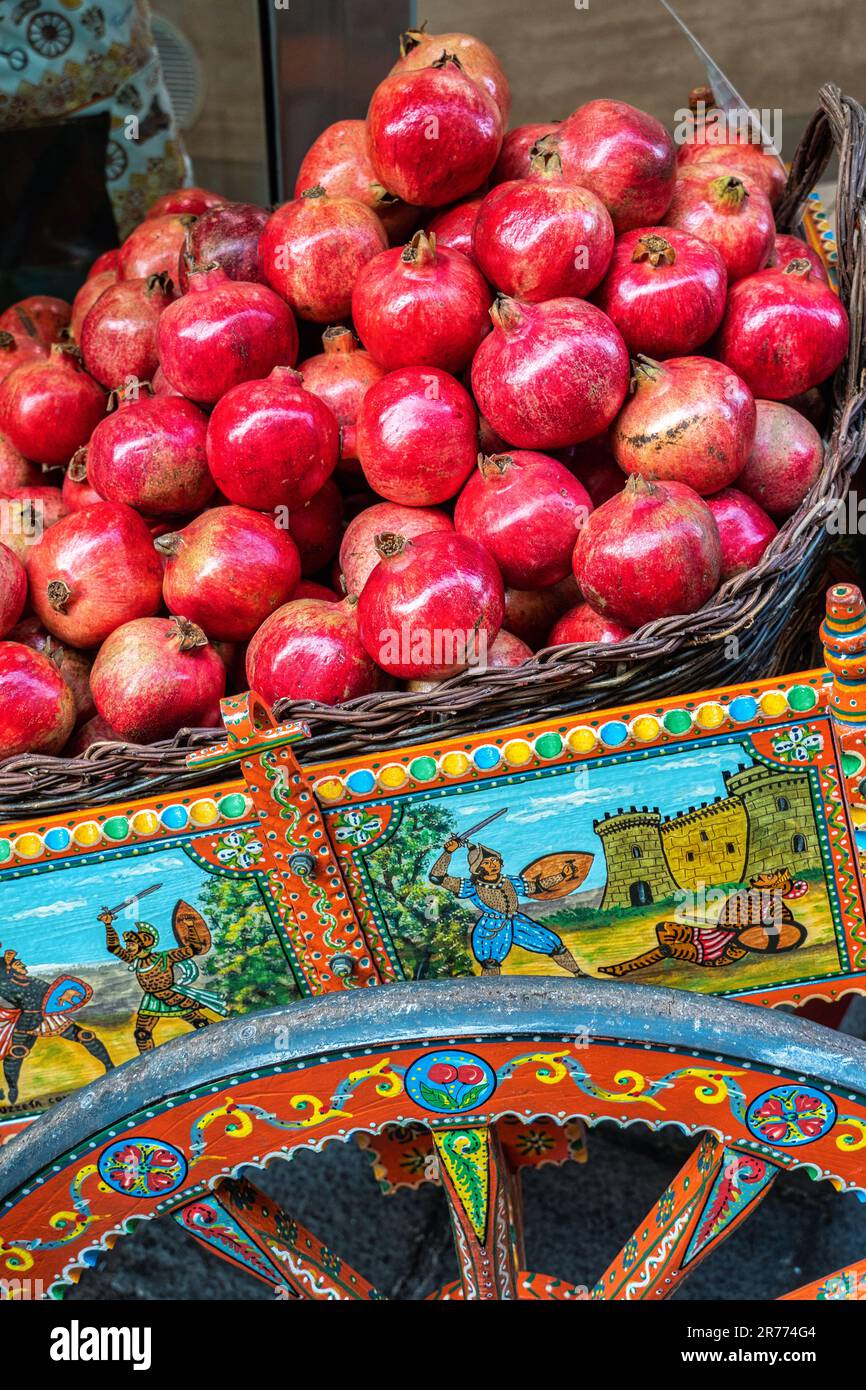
x=534, y=1141
x=287, y=1229
x=666, y=1205
x=799, y=744
x=835, y=1289
x=630, y=1252
x=331, y=1262
x=239, y=849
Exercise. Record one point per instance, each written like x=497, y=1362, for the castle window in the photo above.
x=690, y=856
x=782, y=803
x=704, y=835
x=636, y=852
x=798, y=844
x=729, y=847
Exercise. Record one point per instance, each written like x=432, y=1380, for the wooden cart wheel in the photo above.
x=170, y=1133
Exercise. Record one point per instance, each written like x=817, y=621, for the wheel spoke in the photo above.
x=712, y=1193
x=244, y=1226
x=847, y=1284
x=485, y=1208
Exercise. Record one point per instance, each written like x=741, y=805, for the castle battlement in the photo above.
x=695, y=815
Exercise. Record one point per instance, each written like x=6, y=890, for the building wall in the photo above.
x=718, y=858
x=772, y=829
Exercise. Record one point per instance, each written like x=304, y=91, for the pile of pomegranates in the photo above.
x=471, y=393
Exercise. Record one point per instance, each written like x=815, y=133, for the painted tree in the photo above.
x=247, y=964
x=430, y=928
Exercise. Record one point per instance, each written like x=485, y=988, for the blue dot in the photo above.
x=57, y=838
x=743, y=708
x=175, y=817
x=361, y=781
x=486, y=756
x=613, y=733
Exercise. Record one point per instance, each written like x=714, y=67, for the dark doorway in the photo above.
x=640, y=893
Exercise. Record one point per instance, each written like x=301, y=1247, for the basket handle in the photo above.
x=838, y=124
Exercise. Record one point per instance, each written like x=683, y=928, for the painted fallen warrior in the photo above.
x=39, y=1009
x=166, y=976
x=495, y=895
x=753, y=919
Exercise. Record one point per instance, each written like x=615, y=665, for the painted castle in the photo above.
x=766, y=821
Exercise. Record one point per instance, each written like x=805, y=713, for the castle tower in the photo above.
x=637, y=870
x=782, y=828
x=709, y=845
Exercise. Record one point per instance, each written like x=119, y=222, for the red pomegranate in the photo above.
x=593, y=464
x=434, y=134
x=453, y=227
x=86, y=298
x=106, y=261
x=730, y=215
x=310, y=650
x=308, y=588
x=118, y=336
x=517, y=149
x=341, y=376
x=689, y=419
x=161, y=384
x=339, y=161
x=358, y=553
x=150, y=453
x=153, y=247
x=39, y=316
x=583, y=624
x=94, y=570
x=316, y=527
x=745, y=160
x=50, y=407
x=416, y=436
x=507, y=650
x=812, y=404
x=791, y=248
x=223, y=332
x=313, y=249
x=665, y=291
x=13, y=589
x=419, y=49
x=745, y=530
x=228, y=570
x=431, y=606
x=15, y=469
x=526, y=509
x=550, y=374
x=272, y=443
x=622, y=155
x=786, y=459
x=153, y=676
x=77, y=492
x=73, y=665
x=14, y=352
x=529, y=613
x=95, y=730
x=37, y=711
x=648, y=553
x=26, y=513
x=542, y=237
x=421, y=307
x=180, y=201
x=227, y=236
x=783, y=331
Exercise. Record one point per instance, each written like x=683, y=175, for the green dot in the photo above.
x=116, y=828
x=5, y=850
x=802, y=697
x=232, y=806
x=677, y=721
x=423, y=769
x=549, y=745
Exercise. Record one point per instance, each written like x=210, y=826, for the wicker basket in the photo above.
x=765, y=610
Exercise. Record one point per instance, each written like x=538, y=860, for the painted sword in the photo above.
x=488, y=820
x=115, y=911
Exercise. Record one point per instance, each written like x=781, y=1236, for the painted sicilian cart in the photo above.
x=567, y=918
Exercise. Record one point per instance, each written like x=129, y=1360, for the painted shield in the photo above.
x=545, y=873
x=766, y=937
x=190, y=929
x=67, y=993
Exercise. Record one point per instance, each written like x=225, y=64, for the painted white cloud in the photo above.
x=50, y=909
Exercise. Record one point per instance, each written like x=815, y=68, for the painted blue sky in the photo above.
x=556, y=813
x=50, y=918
